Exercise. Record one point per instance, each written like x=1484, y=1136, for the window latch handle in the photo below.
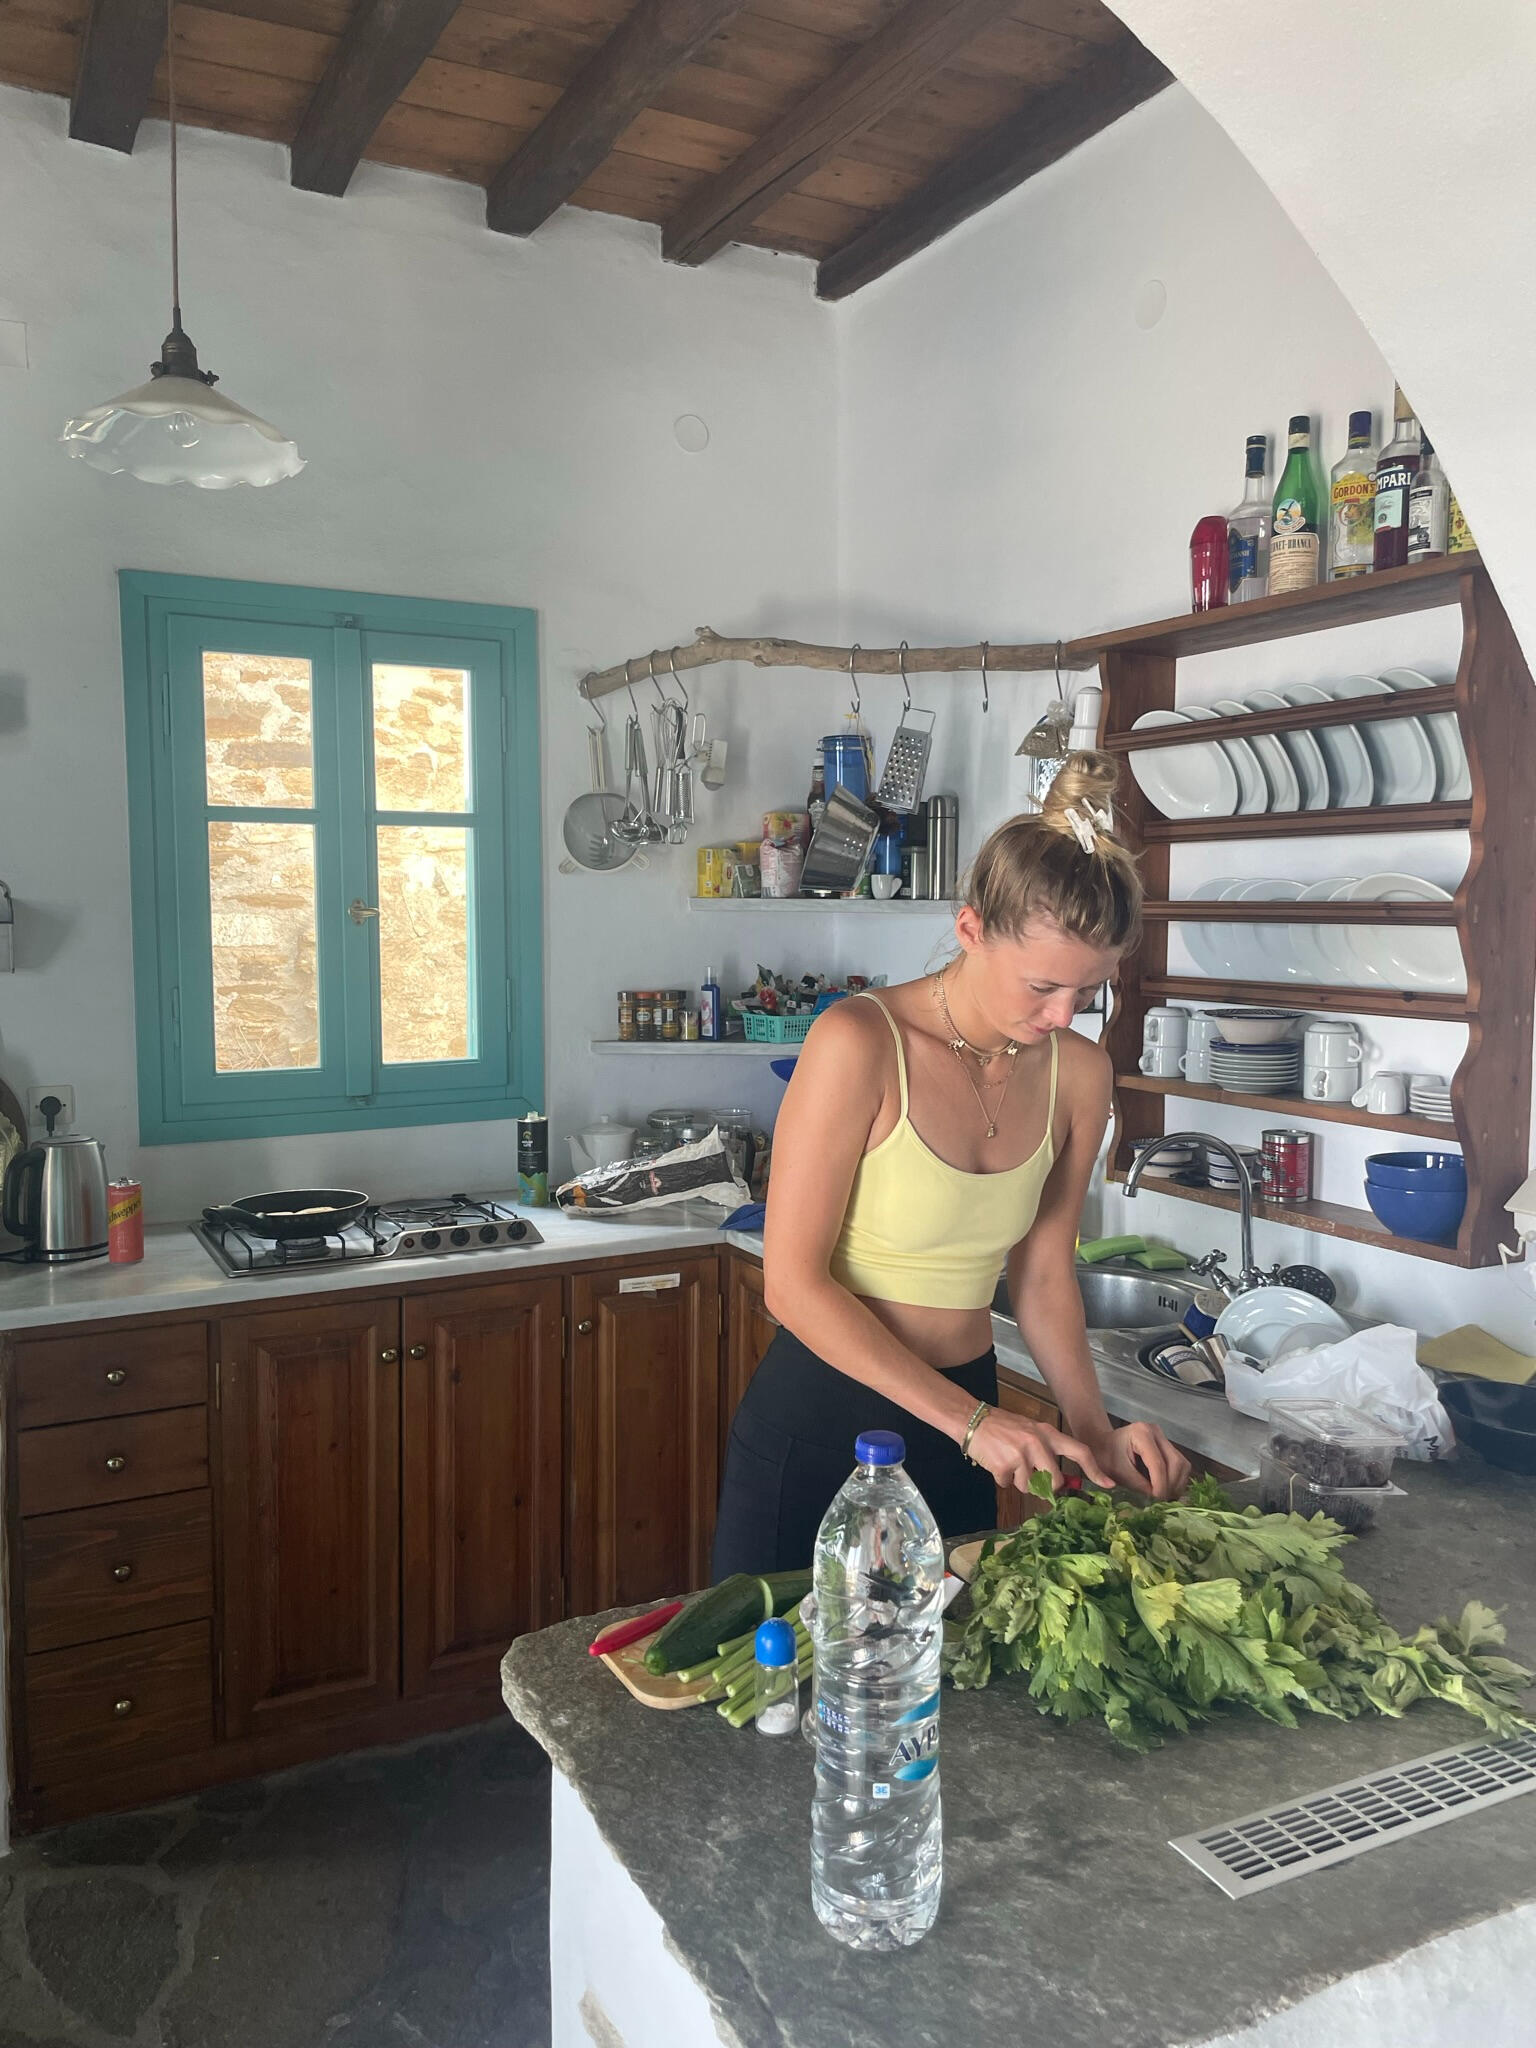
x=360, y=912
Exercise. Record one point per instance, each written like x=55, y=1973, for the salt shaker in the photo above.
x=775, y=1681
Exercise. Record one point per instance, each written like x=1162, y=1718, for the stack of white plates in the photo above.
x=1221, y=1173
x=1170, y=1159
x=1426, y=957
x=1273, y=1069
x=1430, y=1097
x=1383, y=761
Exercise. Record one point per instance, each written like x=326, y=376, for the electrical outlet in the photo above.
x=37, y=1122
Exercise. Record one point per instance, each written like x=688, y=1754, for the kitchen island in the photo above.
x=680, y=1906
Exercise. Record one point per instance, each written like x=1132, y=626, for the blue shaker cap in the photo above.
x=879, y=1447
x=774, y=1644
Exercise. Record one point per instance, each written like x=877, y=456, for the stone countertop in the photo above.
x=1066, y=1916
x=177, y=1273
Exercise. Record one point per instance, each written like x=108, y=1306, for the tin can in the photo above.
x=627, y=1027
x=645, y=1013
x=1287, y=1165
x=125, y=1222
x=533, y=1162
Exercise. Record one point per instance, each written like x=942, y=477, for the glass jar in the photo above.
x=669, y=1014
x=645, y=1013
x=627, y=1026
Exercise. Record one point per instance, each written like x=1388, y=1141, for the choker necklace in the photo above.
x=961, y=1046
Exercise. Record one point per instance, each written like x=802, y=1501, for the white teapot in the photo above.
x=601, y=1144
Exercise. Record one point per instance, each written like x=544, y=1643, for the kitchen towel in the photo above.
x=1477, y=1354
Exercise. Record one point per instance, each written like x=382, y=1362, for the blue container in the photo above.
x=845, y=756
x=1420, y=1172
x=1430, y=1218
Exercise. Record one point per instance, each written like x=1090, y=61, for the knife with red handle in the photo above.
x=635, y=1630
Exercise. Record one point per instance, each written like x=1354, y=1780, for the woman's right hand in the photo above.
x=1013, y=1449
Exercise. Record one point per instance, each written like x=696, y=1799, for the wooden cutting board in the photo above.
x=667, y=1694
x=963, y=1558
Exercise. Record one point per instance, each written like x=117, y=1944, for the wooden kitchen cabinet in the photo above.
x=644, y=1409
x=310, y=1453
x=482, y=1467
x=749, y=1330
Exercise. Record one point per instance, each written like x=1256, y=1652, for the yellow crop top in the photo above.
x=921, y=1231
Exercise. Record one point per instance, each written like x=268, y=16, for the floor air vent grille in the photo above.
x=1250, y=1855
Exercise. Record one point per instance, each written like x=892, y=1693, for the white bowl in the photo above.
x=1257, y=1027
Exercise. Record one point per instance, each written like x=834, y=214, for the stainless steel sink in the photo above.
x=1123, y=1297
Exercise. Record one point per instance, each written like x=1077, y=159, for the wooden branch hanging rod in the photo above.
x=709, y=647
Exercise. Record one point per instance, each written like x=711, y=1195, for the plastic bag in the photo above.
x=1376, y=1370
x=701, y=1172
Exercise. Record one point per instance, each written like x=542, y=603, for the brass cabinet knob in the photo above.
x=122, y=1571
x=115, y=1375
x=388, y=1357
x=121, y=1707
x=417, y=1351
x=584, y=1327
x=115, y=1463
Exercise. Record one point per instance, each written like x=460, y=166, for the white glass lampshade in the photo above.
x=179, y=430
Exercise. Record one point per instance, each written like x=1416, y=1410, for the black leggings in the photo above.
x=791, y=1448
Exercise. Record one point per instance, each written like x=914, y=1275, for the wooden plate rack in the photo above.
x=1494, y=912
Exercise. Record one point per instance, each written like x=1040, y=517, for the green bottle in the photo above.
x=1295, y=542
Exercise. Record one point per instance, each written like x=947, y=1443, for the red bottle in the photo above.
x=1208, y=563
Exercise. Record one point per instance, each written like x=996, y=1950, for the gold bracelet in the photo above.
x=982, y=1411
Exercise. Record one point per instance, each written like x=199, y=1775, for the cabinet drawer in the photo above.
x=70, y=1379
x=90, y=1710
x=83, y=1464
x=109, y=1571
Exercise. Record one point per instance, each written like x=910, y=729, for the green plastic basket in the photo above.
x=769, y=1029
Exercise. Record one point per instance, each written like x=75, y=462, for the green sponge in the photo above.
x=1101, y=1248
x=1158, y=1258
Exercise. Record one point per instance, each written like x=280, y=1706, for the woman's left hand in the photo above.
x=1140, y=1456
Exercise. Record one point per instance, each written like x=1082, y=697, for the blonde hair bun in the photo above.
x=1085, y=783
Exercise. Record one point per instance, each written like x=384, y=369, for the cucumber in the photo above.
x=709, y=1619
x=723, y=1614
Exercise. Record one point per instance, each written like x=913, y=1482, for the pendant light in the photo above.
x=177, y=429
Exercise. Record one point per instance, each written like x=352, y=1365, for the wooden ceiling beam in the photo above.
x=385, y=45
x=119, y=54
x=1046, y=128
x=882, y=72
x=618, y=83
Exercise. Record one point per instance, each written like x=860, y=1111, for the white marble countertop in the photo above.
x=177, y=1273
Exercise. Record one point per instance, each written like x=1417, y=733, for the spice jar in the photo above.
x=669, y=1014
x=627, y=1027
x=645, y=1013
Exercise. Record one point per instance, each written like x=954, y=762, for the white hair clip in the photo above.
x=1086, y=829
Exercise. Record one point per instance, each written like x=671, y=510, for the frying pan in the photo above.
x=298, y=1212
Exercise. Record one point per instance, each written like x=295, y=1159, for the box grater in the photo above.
x=901, y=786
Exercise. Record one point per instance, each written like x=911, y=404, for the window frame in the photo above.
x=182, y=1099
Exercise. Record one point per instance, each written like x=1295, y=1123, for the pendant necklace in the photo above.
x=960, y=1046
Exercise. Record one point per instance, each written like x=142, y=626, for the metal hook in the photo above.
x=594, y=702
x=906, y=687
x=634, y=704
x=681, y=688
x=986, y=694
x=650, y=663
x=1061, y=693
x=858, y=701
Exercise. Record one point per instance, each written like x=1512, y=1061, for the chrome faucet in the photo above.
x=1250, y=1275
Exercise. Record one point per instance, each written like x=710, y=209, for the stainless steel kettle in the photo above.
x=55, y=1196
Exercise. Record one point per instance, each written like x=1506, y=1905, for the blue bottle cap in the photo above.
x=879, y=1447
x=774, y=1644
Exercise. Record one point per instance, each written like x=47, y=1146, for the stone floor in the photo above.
x=398, y=1899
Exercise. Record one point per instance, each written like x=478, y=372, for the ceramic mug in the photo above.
x=1331, y=1084
x=1196, y=1063
x=1165, y=1027
x=1333, y=1045
x=1164, y=1060
x=1386, y=1094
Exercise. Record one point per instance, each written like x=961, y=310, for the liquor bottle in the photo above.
x=1429, y=508
x=816, y=801
x=1352, y=494
x=1294, y=541
x=1396, y=467
x=1248, y=527
x=1461, y=541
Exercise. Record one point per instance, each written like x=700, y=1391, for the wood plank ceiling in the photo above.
x=850, y=131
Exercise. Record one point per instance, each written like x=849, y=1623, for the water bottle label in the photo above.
x=921, y=1711
x=879, y=1791
x=915, y=1755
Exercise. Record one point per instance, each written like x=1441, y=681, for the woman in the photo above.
x=931, y=1138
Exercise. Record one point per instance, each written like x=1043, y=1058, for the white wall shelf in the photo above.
x=671, y=1048
x=862, y=906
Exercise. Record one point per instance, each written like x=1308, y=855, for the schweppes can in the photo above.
x=125, y=1222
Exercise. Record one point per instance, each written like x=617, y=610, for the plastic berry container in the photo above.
x=1326, y=1457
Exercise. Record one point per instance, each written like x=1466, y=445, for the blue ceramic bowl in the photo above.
x=1432, y=1218
x=1420, y=1172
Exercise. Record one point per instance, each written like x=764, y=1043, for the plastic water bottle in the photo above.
x=877, y=1844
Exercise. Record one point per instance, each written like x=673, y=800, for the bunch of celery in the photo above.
x=731, y=1670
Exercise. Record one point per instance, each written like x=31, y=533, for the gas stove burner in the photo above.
x=433, y=1226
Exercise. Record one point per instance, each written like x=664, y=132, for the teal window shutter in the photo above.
x=335, y=857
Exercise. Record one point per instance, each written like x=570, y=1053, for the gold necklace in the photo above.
x=960, y=1046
